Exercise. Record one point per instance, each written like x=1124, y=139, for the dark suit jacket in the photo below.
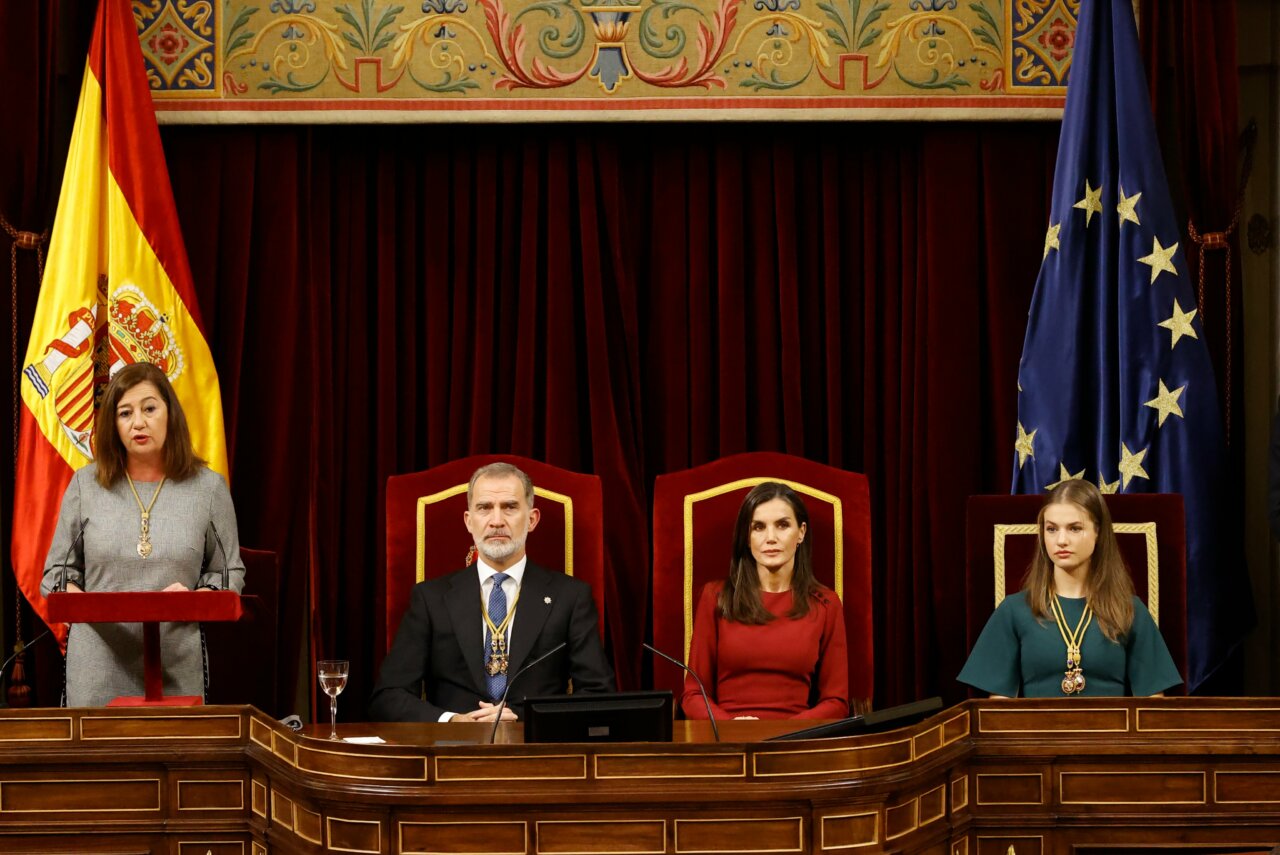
x=439, y=647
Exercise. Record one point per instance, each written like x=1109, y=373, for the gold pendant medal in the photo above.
x=144, y=536
x=1073, y=681
x=497, y=663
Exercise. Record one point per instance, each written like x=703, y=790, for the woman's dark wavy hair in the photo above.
x=740, y=596
x=180, y=459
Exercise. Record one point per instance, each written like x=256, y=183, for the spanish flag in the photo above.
x=117, y=289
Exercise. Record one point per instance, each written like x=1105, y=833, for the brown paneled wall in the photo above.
x=1199, y=774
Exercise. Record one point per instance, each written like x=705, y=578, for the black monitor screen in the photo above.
x=875, y=721
x=617, y=717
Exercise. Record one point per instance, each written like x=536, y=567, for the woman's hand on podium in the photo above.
x=176, y=586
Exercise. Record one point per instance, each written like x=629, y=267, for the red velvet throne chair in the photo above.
x=1000, y=542
x=426, y=537
x=693, y=516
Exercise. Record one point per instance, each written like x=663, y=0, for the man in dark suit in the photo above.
x=466, y=634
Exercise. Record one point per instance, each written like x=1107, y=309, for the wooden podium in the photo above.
x=149, y=608
x=1067, y=776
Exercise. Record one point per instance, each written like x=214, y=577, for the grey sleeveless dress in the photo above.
x=104, y=660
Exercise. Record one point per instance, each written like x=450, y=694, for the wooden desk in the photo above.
x=1040, y=776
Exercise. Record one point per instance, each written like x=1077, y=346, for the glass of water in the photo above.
x=333, y=679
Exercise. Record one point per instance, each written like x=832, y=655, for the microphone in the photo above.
x=502, y=704
x=706, y=699
x=62, y=576
x=225, y=571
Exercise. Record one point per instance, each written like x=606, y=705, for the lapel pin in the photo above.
x=546, y=600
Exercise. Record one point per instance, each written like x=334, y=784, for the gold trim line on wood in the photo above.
x=452, y=757
x=70, y=722
x=154, y=718
x=799, y=820
x=278, y=816
x=155, y=781
x=755, y=758
x=957, y=804
x=914, y=806
x=742, y=758
x=328, y=827
x=253, y=790
x=941, y=789
x=297, y=809
x=182, y=843
x=1200, y=710
x=822, y=831
x=1204, y=786
x=239, y=781
x=541, y=822
x=400, y=826
x=1045, y=710
x=1221, y=801
x=299, y=750
x=978, y=786
x=1039, y=837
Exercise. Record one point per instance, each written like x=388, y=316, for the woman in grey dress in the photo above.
x=146, y=515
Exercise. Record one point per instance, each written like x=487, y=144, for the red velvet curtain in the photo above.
x=1190, y=56
x=30, y=166
x=619, y=300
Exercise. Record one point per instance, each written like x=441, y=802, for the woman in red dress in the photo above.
x=769, y=639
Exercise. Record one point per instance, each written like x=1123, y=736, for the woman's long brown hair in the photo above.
x=180, y=459
x=1108, y=586
x=740, y=597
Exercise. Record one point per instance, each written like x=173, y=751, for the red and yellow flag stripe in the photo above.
x=117, y=289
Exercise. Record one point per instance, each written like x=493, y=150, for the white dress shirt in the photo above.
x=511, y=587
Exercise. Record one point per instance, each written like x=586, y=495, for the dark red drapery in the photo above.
x=621, y=299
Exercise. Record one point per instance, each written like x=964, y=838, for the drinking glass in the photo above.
x=333, y=679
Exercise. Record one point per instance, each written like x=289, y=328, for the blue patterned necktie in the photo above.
x=497, y=614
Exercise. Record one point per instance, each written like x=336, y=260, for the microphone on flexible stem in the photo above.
x=502, y=704
x=62, y=576
x=4, y=667
x=706, y=699
x=225, y=571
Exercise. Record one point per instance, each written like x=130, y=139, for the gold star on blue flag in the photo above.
x=1099, y=377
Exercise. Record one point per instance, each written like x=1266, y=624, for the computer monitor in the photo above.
x=616, y=717
x=875, y=721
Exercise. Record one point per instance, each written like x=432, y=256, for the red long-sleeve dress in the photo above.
x=787, y=668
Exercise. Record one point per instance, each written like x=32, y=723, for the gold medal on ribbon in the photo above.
x=144, y=536
x=1073, y=679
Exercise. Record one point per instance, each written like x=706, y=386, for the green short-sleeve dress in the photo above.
x=1019, y=656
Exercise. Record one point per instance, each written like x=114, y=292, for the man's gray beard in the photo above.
x=501, y=552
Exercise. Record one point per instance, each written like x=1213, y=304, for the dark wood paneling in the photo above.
x=741, y=834
x=446, y=837
x=567, y=837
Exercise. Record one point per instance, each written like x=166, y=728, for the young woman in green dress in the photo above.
x=1076, y=626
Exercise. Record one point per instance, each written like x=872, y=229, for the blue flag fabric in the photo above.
x=1116, y=384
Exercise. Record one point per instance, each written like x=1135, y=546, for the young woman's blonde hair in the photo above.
x=1108, y=585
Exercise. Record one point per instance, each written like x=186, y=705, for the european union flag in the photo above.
x=1116, y=385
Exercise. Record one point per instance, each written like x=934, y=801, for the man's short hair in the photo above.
x=501, y=470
